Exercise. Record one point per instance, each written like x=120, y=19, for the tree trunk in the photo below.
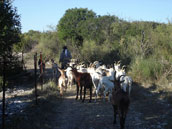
x=3, y=88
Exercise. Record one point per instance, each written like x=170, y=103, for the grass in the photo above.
x=39, y=116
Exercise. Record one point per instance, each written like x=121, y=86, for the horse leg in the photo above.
x=84, y=93
x=115, y=112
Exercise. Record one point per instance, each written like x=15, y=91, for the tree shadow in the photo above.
x=148, y=109
x=155, y=109
x=20, y=92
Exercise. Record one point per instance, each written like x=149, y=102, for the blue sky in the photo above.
x=39, y=14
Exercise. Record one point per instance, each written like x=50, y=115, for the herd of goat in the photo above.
x=112, y=81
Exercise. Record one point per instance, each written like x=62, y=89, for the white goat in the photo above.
x=100, y=81
x=126, y=85
x=107, y=84
x=96, y=64
x=117, y=66
x=69, y=77
x=81, y=68
x=94, y=75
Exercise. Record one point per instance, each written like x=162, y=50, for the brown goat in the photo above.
x=62, y=82
x=82, y=79
x=120, y=103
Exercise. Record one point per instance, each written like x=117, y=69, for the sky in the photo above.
x=39, y=15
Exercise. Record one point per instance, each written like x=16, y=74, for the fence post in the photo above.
x=41, y=71
x=35, y=66
x=3, y=88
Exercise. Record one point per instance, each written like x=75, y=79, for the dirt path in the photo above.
x=145, y=113
x=77, y=115
x=74, y=114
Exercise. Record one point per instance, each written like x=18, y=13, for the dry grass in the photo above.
x=38, y=116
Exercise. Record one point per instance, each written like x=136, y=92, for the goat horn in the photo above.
x=111, y=80
x=60, y=70
x=122, y=81
x=124, y=66
x=119, y=62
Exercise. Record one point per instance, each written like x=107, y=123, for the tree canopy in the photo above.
x=138, y=44
x=10, y=30
x=9, y=27
x=69, y=27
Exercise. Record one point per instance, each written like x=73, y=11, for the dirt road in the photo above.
x=145, y=113
x=148, y=110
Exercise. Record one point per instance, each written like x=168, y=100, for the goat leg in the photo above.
x=97, y=92
x=77, y=90
x=84, y=93
x=80, y=92
x=122, y=119
x=90, y=94
x=115, y=112
x=122, y=122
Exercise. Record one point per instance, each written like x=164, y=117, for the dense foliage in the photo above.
x=9, y=28
x=9, y=33
x=145, y=47
x=9, y=36
x=70, y=25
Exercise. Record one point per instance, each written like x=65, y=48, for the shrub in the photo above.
x=146, y=69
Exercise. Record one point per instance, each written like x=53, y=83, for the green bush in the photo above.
x=146, y=70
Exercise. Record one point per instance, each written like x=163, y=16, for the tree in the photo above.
x=9, y=28
x=49, y=45
x=9, y=35
x=69, y=27
x=27, y=41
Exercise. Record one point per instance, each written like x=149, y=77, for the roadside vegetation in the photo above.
x=143, y=46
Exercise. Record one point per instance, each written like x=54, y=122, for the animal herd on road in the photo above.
x=113, y=81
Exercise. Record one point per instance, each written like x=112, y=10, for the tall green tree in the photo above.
x=69, y=27
x=9, y=35
x=10, y=28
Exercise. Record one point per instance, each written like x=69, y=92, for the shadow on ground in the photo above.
x=149, y=109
